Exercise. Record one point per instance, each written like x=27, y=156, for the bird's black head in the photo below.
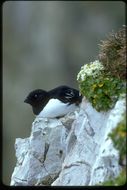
x=37, y=99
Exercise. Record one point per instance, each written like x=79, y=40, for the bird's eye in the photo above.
x=35, y=95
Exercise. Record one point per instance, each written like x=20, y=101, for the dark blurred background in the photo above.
x=44, y=46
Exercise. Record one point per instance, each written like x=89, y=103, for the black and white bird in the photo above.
x=54, y=103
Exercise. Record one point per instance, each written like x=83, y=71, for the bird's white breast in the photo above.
x=56, y=108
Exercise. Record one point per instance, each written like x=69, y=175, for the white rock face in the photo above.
x=72, y=151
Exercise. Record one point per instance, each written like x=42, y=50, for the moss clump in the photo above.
x=113, y=54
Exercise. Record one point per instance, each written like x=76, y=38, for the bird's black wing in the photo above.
x=66, y=94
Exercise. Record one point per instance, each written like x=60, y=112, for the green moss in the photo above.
x=118, y=181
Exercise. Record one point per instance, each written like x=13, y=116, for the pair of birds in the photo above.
x=54, y=103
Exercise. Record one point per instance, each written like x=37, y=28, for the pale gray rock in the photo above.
x=40, y=157
x=91, y=158
x=71, y=151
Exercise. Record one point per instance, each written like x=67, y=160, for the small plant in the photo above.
x=99, y=88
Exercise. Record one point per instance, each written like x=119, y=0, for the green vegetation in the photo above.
x=99, y=88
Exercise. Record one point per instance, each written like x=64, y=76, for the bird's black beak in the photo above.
x=26, y=100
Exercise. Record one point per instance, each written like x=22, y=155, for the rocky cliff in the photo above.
x=73, y=150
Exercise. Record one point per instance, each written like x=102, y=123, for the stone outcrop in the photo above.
x=69, y=151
